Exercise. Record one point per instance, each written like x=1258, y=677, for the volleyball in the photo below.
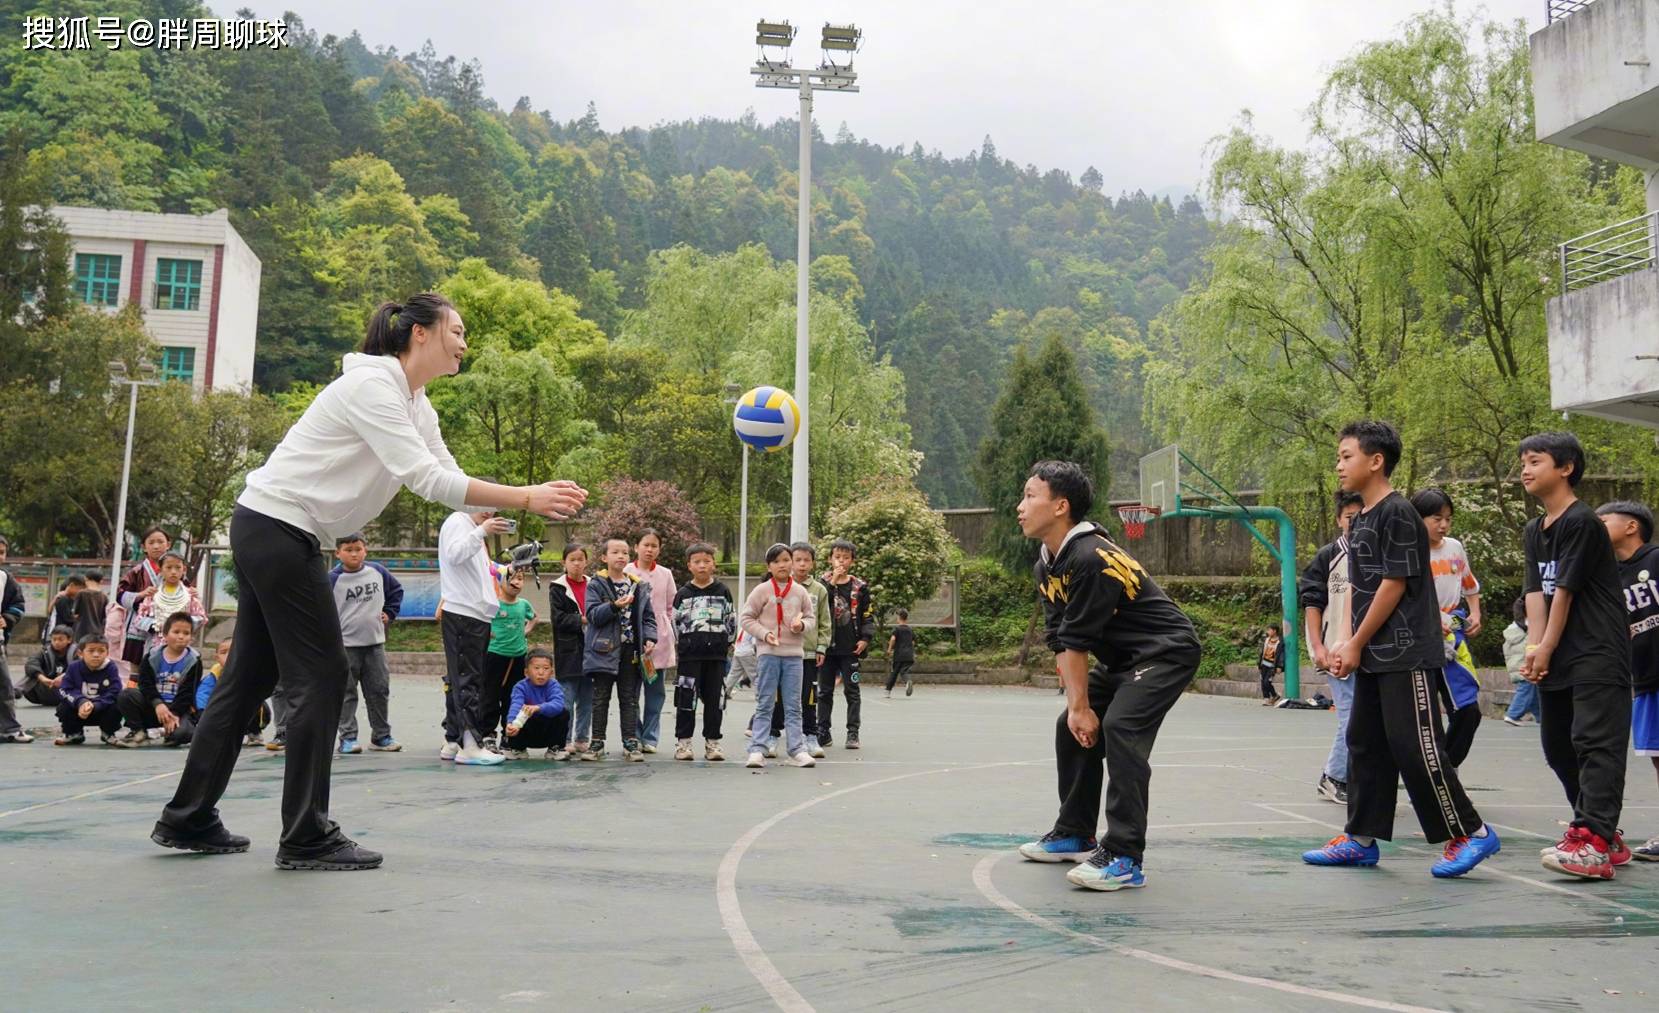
x=767, y=418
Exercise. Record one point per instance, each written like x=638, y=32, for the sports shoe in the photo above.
x=826, y=740
x=1581, y=854
x=756, y=758
x=386, y=745
x=108, y=740
x=155, y=734
x=591, y=755
x=1343, y=850
x=252, y=742
x=803, y=759
x=772, y=750
x=517, y=754
x=489, y=744
x=1106, y=871
x=909, y=687
x=449, y=750
x=348, y=857
x=814, y=748
x=1056, y=846
x=712, y=753
x=1648, y=852
x=1464, y=853
x=1511, y=721
x=69, y=740
x=217, y=841
x=648, y=747
x=561, y=753
x=852, y=742
x=127, y=738
x=1618, y=853
x=479, y=758
x=18, y=737
x=636, y=755
x=350, y=747
x=682, y=749
x=277, y=744
x=1332, y=789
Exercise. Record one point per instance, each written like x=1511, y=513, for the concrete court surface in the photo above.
x=882, y=879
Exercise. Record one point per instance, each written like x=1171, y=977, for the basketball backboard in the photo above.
x=1161, y=479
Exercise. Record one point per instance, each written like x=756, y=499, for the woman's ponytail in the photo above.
x=391, y=324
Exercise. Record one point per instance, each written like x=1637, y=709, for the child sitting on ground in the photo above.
x=163, y=704
x=537, y=717
x=172, y=595
x=87, y=694
x=210, y=682
x=44, y=672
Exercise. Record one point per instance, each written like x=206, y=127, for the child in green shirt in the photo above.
x=504, y=660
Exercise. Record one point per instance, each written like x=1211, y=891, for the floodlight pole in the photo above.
x=799, y=494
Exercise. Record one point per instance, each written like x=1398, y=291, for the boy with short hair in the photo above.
x=852, y=627
x=1578, y=654
x=1454, y=585
x=804, y=560
x=537, y=717
x=11, y=611
x=163, y=704
x=1395, y=653
x=43, y=672
x=622, y=629
x=705, y=620
x=1630, y=526
x=87, y=694
x=901, y=654
x=504, y=661
x=63, y=604
x=1328, y=611
x=1098, y=600
x=210, y=681
x=368, y=599
x=91, y=606
x=1269, y=663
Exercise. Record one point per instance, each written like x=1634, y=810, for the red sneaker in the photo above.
x=1618, y=854
x=1584, y=856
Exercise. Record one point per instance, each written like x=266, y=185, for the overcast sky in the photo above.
x=1136, y=89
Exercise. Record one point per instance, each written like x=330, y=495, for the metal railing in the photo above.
x=1559, y=9
x=1611, y=252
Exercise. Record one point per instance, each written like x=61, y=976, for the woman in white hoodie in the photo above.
x=367, y=434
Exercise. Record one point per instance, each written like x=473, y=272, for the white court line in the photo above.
x=89, y=794
x=982, y=881
x=1580, y=894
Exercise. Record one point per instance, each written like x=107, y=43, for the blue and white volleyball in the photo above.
x=767, y=418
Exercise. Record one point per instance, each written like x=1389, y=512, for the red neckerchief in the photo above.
x=777, y=596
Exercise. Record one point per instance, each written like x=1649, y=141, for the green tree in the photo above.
x=1042, y=414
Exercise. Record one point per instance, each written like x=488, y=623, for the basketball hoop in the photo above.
x=1134, y=517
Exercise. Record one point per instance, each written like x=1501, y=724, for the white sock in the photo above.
x=1481, y=832
x=469, y=742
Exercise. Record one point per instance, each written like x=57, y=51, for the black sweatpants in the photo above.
x=540, y=732
x=501, y=673
x=809, y=701
x=287, y=631
x=845, y=666
x=1269, y=691
x=141, y=717
x=898, y=670
x=1393, y=736
x=466, y=641
x=626, y=681
x=1131, y=705
x=107, y=719
x=1585, y=731
x=705, y=679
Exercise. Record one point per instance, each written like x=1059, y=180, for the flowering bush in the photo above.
x=627, y=506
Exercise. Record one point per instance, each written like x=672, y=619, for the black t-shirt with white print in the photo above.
x=1575, y=554
x=1641, y=600
x=1389, y=542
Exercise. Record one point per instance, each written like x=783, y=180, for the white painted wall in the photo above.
x=1595, y=81
x=238, y=315
x=1596, y=336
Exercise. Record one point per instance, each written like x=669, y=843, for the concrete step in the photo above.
x=1494, y=702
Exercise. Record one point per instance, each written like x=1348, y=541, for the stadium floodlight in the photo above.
x=845, y=38
x=774, y=33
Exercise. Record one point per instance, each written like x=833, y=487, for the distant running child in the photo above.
x=901, y=654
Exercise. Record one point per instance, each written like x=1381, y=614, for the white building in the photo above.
x=197, y=281
x=1595, y=89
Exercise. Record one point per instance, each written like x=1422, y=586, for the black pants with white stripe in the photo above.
x=1394, y=735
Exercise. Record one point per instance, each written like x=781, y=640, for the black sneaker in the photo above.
x=217, y=841
x=348, y=857
x=826, y=741
x=852, y=742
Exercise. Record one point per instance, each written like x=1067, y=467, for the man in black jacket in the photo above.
x=1098, y=600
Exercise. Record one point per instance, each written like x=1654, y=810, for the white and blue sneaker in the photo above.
x=350, y=746
x=1344, y=850
x=1055, y=846
x=1106, y=871
x=1464, y=853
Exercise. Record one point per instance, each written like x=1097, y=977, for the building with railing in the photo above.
x=1595, y=89
x=197, y=281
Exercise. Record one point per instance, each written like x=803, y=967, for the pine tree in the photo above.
x=1042, y=414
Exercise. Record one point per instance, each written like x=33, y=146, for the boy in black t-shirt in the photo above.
x=901, y=654
x=705, y=624
x=1396, y=650
x=1578, y=654
x=1630, y=526
x=1097, y=600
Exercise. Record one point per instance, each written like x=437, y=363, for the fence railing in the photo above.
x=1559, y=9
x=1612, y=252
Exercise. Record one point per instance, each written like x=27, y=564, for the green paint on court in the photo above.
x=1634, y=926
x=986, y=842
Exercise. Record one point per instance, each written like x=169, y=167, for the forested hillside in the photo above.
x=357, y=173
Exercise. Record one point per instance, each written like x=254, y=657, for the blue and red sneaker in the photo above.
x=1056, y=846
x=1464, y=853
x=1343, y=850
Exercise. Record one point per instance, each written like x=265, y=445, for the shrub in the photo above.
x=627, y=506
x=903, y=547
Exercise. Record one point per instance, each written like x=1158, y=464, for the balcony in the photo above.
x=1595, y=88
x=1604, y=327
